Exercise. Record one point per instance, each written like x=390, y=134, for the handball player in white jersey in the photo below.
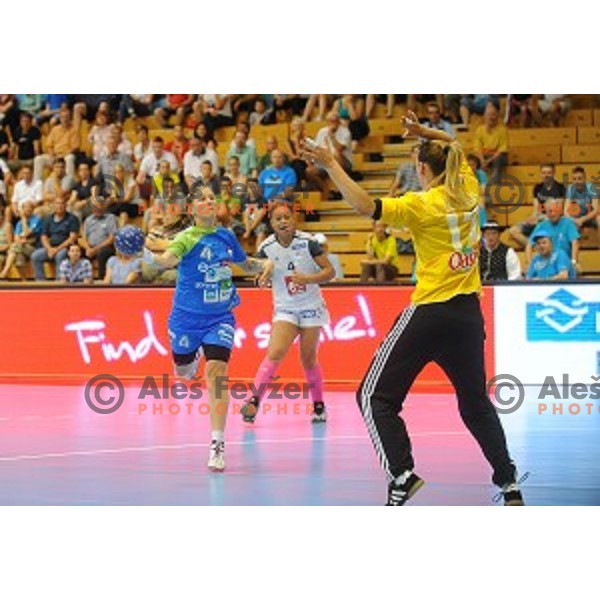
x=299, y=265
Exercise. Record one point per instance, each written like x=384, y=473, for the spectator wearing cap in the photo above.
x=563, y=230
x=582, y=201
x=126, y=267
x=497, y=261
x=99, y=231
x=548, y=263
x=74, y=268
x=334, y=259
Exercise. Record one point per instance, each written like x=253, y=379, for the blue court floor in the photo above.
x=54, y=450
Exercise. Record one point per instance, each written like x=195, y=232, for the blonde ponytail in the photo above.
x=447, y=160
x=458, y=197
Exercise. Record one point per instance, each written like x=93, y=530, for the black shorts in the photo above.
x=132, y=210
x=210, y=351
x=527, y=229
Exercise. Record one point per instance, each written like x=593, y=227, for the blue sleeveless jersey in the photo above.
x=204, y=284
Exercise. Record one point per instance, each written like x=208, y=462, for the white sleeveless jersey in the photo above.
x=298, y=256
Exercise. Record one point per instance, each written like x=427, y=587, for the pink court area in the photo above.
x=55, y=450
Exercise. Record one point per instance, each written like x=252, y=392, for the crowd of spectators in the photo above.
x=68, y=199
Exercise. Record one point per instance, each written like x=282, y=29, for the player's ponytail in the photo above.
x=445, y=161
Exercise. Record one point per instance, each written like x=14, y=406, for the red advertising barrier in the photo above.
x=72, y=334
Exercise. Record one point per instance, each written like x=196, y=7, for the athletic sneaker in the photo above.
x=250, y=410
x=319, y=414
x=511, y=492
x=403, y=488
x=512, y=495
x=216, y=460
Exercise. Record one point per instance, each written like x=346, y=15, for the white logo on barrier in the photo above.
x=92, y=332
x=557, y=308
x=346, y=329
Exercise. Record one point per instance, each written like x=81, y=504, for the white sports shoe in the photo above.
x=216, y=460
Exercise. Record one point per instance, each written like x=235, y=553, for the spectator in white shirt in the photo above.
x=193, y=159
x=26, y=189
x=151, y=163
x=336, y=137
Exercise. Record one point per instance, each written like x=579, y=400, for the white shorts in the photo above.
x=546, y=105
x=308, y=317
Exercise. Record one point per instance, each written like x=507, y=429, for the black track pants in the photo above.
x=452, y=335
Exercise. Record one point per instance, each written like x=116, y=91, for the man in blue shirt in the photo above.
x=59, y=231
x=563, y=230
x=201, y=320
x=434, y=120
x=582, y=201
x=278, y=181
x=53, y=103
x=548, y=263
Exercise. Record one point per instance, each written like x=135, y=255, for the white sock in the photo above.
x=402, y=479
x=218, y=436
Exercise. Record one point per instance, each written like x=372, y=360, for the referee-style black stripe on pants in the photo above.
x=451, y=334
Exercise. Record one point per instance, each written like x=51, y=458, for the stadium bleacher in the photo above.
x=377, y=158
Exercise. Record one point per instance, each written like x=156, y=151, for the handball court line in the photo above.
x=124, y=450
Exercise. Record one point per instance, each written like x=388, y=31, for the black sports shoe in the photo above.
x=511, y=493
x=399, y=493
x=249, y=410
x=319, y=414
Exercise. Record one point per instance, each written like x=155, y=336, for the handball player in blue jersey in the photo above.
x=202, y=320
